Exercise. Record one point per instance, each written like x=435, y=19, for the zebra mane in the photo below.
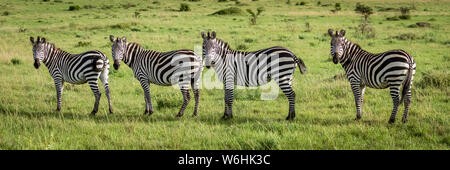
x=54, y=49
x=225, y=44
x=136, y=44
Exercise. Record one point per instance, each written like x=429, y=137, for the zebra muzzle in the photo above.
x=116, y=64
x=36, y=63
x=335, y=60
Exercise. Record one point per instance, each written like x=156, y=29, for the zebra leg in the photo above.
x=148, y=101
x=196, y=97
x=104, y=79
x=290, y=95
x=396, y=101
x=94, y=87
x=407, y=104
x=59, y=84
x=195, y=89
x=229, y=96
x=186, y=99
x=358, y=99
x=362, y=90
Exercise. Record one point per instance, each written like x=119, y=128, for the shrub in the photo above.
x=58, y=1
x=184, y=7
x=128, y=5
x=6, y=13
x=16, y=61
x=308, y=27
x=249, y=40
x=337, y=7
x=301, y=3
x=404, y=13
x=74, y=8
x=83, y=44
x=364, y=27
x=394, y=18
x=222, y=0
x=254, y=16
x=241, y=47
x=229, y=11
x=137, y=14
x=406, y=36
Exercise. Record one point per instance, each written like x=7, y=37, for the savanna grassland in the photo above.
x=325, y=108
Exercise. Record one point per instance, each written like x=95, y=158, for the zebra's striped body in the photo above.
x=251, y=69
x=182, y=67
x=391, y=69
x=73, y=68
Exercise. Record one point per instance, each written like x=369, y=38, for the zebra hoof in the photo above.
x=93, y=113
x=391, y=121
x=226, y=117
x=289, y=118
x=404, y=120
x=195, y=115
x=179, y=115
x=111, y=111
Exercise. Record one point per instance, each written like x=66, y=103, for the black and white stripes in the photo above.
x=393, y=69
x=251, y=69
x=182, y=67
x=73, y=68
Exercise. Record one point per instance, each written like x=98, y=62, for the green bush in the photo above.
x=184, y=7
x=241, y=47
x=229, y=11
x=16, y=61
x=83, y=44
x=74, y=8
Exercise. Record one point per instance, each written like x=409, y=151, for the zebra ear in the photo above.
x=124, y=38
x=203, y=35
x=342, y=33
x=330, y=32
x=32, y=40
x=213, y=35
x=43, y=40
x=111, y=38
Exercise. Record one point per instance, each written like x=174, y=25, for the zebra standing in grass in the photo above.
x=251, y=69
x=182, y=67
x=73, y=68
x=393, y=69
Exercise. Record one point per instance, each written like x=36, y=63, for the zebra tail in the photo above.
x=301, y=65
x=407, y=84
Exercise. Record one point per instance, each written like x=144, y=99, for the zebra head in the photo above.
x=118, y=50
x=337, y=45
x=39, y=50
x=210, y=48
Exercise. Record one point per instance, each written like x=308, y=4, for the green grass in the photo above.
x=325, y=106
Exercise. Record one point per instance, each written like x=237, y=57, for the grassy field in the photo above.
x=324, y=104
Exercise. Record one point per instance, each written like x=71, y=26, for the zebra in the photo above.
x=73, y=68
x=182, y=67
x=393, y=69
x=251, y=69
